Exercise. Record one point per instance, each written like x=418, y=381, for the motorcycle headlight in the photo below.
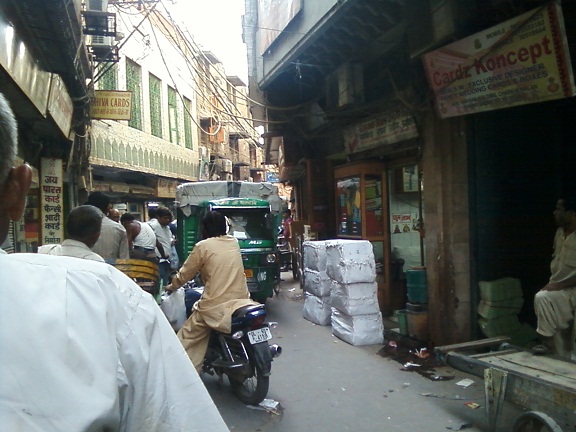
x=271, y=258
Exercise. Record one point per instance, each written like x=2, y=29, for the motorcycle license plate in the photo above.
x=259, y=335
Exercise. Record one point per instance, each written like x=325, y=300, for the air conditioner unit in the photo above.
x=345, y=86
x=97, y=5
x=224, y=165
x=102, y=42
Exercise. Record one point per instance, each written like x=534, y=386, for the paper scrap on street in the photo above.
x=269, y=405
x=466, y=382
x=472, y=405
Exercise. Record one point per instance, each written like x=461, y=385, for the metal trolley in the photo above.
x=543, y=385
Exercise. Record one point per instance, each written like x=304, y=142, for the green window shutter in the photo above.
x=108, y=80
x=173, y=116
x=134, y=84
x=188, y=123
x=156, y=106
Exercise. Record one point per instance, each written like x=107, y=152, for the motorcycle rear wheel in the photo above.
x=253, y=389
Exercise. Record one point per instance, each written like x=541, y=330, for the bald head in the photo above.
x=114, y=214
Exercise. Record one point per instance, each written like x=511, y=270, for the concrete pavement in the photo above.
x=324, y=384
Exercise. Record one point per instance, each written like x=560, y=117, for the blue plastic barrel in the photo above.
x=417, y=286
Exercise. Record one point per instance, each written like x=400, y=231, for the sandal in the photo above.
x=541, y=350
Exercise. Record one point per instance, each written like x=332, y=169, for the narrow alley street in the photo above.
x=324, y=384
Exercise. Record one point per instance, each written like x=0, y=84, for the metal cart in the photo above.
x=544, y=385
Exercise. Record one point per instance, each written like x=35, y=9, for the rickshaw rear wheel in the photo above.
x=534, y=421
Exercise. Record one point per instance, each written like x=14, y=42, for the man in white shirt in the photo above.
x=113, y=241
x=164, y=238
x=555, y=303
x=82, y=231
x=82, y=347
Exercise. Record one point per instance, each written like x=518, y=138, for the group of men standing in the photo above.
x=98, y=232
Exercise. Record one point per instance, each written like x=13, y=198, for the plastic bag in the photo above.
x=174, y=259
x=174, y=308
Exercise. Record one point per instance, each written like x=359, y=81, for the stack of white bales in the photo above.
x=356, y=316
x=316, y=283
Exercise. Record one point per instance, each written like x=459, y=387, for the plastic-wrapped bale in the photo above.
x=494, y=309
x=358, y=329
x=355, y=299
x=317, y=309
x=317, y=283
x=350, y=261
x=500, y=289
x=501, y=326
x=524, y=336
x=314, y=255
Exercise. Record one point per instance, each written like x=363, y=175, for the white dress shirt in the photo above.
x=164, y=236
x=83, y=348
x=71, y=248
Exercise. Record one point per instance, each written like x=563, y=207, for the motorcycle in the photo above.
x=244, y=354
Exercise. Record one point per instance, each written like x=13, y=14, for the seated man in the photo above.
x=219, y=262
x=555, y=304
x=83, y=226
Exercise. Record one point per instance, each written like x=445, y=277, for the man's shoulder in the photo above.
x=46, y=249
x=36, y=262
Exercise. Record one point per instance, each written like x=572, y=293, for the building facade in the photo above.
x=44, y=68
x=188, y=120
x=109, y=98
x=439, y=131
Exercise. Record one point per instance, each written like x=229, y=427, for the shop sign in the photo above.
x=19, y=63
x=389, y=128
x=51, y=201
x=272, y=177
x=166, y=188
x=521, y=61
x=60, y=106
x=111, y=105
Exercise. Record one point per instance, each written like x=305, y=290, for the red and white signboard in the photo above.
x=521, y=61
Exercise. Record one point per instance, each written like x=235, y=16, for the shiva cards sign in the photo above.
x=521, y=61
x=111, y=105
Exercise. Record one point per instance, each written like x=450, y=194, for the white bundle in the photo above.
x=317, y=283
x=317, y=309
x=355, y=299
x=350, y=261
x=358, y=329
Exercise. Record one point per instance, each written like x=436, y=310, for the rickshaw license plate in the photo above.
x=259, y=335
x=249, y=273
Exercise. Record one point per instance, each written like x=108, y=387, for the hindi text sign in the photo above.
x=51, y=201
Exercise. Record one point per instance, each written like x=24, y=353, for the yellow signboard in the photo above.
x=111, y=105
x=521, y=61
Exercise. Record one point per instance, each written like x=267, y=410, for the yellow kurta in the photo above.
x=219, y=262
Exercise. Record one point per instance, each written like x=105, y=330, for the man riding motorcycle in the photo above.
x=219, y=262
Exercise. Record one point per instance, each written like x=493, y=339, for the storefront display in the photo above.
x=362, y=213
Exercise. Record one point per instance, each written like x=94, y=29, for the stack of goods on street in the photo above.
x=501, y=301
x=356, y=316
x=317, y=284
